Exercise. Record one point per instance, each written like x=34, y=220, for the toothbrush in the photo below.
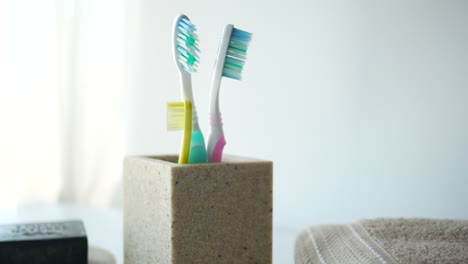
x=186, y=56
x=179, y=117
x=229, y=63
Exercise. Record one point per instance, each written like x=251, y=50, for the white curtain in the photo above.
x=61, y=101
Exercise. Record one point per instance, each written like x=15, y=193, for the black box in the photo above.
x=44, y=243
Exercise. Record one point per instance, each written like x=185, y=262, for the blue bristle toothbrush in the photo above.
x=186, y=56
x=229, y=63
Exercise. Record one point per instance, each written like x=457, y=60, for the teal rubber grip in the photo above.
x=197, y=152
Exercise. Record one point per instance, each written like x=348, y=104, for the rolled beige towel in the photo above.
x=385, y=241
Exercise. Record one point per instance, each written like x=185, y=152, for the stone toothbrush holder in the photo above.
x=197, y=213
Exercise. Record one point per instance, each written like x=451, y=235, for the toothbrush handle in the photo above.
x=197, y=148
x=187, y=94
x=217, y=149
x=185, y=146
x=216, y=140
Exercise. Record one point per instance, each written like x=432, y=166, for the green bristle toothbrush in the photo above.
x=229, y=63
x=186, y=56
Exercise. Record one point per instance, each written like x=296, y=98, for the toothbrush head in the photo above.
x=236, y=53
x=176, y=116
x=185, y=42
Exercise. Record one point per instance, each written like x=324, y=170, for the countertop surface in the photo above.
x=104, y=227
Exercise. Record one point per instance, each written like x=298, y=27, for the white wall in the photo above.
x=361, y=105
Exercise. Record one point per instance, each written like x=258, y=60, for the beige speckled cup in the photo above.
x=197, y=213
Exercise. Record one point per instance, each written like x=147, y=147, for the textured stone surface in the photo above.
x=197, y=213
x=54, y=242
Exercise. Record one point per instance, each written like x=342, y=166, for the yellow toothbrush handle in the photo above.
x=185, y=147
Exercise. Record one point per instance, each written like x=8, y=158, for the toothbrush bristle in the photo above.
x=236, y=54
x=187, y=45
x=175, y=116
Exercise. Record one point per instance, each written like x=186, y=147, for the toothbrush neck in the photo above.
x=219, y=65
x=214, y=98
x=186, y=84
x=195, y=125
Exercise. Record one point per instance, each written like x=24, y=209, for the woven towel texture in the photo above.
x=421, y=240
x=385, y=241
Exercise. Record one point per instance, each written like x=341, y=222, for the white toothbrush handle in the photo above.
x=216, y=140
x=186, y=84
x=218, y=70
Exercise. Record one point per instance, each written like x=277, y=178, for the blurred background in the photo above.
x=361, y=105
x=62, y=101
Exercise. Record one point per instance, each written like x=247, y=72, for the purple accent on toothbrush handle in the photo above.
x=218, y=150
x=215, y=120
